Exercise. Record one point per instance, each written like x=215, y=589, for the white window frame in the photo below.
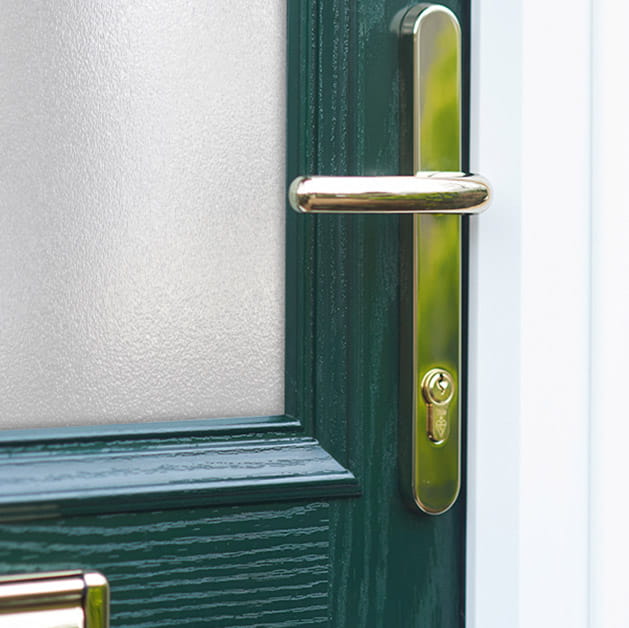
x=529, y=497
x=609, y=433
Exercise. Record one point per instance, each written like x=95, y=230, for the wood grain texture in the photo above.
x=231, y=567
x=350, y=563
x=166, y=475
x=390, y=566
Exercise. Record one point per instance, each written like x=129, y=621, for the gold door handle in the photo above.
x=424, y=193
x=63, y=599
x=437, y=195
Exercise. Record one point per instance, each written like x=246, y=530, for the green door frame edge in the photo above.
x=134, y=467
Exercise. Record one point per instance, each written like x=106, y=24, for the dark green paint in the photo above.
x=391, y=567
x=237, y=567
x=165, y=474
x=194, y=428
x=344, y=562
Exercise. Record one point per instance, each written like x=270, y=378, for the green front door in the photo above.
x=295, y=520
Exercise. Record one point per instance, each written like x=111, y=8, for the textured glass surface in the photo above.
x=141, y=210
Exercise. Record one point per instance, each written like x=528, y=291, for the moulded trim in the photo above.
x=122, y=477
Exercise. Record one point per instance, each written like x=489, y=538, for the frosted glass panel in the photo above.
x=141, y=278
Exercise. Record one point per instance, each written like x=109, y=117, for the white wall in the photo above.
x=141, y=210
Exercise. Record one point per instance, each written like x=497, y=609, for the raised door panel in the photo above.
x=254, y=522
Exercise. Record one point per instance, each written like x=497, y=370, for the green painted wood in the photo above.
x=229, y=567
x=166, y=475
x=301, y=246
x=390, y=566
x=346, y=562
x=158, y=430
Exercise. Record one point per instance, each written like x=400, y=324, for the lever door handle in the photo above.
x=423, y=193
x=437, y=195
x=62, y=599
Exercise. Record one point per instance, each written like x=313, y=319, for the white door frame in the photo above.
x=529, y=497
x=609, y=434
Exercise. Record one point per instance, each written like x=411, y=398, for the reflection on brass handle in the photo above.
x=63, y=599
x=424, y=193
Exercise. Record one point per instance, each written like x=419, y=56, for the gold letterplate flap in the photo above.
x=62, y=599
